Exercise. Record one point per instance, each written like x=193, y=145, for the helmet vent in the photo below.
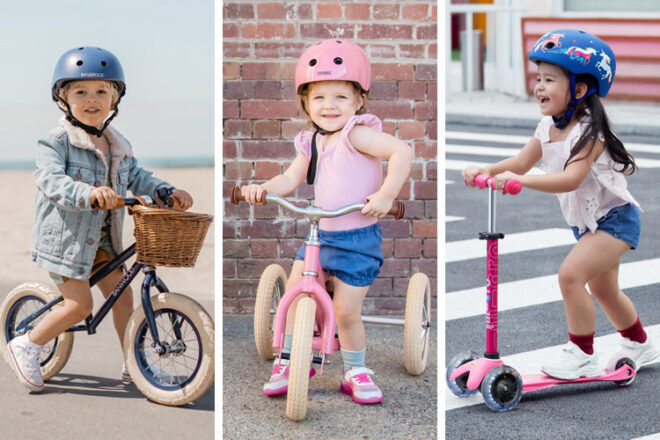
x=79, y=63
x=338, y=60
x=312, y=62
x=338, y=41
x=549, y=45
x=81, y=48
x=104, y=64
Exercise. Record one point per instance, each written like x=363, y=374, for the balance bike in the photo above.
x=501, y=385
x=314, y=328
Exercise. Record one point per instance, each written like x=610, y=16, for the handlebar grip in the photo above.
x=236, y=196
x=120, y=204
x=398, y=210
x=512, y=186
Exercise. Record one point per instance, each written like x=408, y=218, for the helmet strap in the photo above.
x=322, y=131
x=311, y=169
x=563, y=120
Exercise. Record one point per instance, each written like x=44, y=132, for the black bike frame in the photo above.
x=92, y=321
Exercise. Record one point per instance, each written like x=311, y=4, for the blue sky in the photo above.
x=166, y=50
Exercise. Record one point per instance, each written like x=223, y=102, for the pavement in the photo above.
x=409, y=409
x=491, y=108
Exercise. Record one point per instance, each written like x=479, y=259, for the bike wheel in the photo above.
x=22, y=302
x=417, y=324
x=186, y=370
x=269, y=292
x=301, y=356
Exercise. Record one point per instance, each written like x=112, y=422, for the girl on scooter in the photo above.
x=586, y=166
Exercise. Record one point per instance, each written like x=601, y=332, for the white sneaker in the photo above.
x=24, y=355
x=640, y=354
x=125, y=375
x=572, y=363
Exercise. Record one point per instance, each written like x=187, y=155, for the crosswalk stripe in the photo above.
x=540, y=290
x=522, y=140
x=655, y=436
x=479, y=150
x=529, y=362
x=458, y=165
x=518, y=242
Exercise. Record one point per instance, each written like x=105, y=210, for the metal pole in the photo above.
x=468, y=50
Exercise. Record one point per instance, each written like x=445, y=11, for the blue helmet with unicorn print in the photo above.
x=578, y=52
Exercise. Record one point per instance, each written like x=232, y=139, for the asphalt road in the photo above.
x=590, y=411
x=409, y=410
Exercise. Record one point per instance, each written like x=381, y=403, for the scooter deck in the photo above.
x=533, y=382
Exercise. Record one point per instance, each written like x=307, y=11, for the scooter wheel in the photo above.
x=458, y=386
x=502, y=388
x=620, y=363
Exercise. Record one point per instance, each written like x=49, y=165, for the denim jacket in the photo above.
x=67, y=230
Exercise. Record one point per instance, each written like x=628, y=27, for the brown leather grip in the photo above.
x=236, y=196
x=118, y=205
x=398, y=210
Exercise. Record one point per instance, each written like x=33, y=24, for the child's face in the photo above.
x=90, y=101
x=332, y=103
x=552, y=89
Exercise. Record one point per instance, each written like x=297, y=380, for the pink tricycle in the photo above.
x=501, y=385
x=314, y=328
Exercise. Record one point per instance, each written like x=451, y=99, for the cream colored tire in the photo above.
x=301, y=356
x=270, y=290
x=148, y=370
x=417, y=324
x=30, y=295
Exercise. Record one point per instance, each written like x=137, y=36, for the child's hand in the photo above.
x=378, y=205
x=253, y=193
x=103, y=197
x=502, y=178
x=181, y=199
x=471, y=171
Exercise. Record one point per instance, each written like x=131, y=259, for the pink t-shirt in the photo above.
x=344, y=176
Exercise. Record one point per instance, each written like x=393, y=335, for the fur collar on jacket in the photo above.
x=81, y=139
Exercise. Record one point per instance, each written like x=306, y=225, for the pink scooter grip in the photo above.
x=512, y=187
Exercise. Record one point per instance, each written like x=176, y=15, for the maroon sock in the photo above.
x=635, y=332
x=585, y=342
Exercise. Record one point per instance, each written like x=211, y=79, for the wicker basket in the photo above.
x=167, y=237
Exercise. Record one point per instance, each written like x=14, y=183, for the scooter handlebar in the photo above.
x=512, y=186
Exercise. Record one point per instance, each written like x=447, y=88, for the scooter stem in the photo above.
x=492, y=238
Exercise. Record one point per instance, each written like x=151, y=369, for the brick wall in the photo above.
x=261, y=44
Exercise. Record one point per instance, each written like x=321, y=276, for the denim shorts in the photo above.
x=354, y=256
x=622, y=222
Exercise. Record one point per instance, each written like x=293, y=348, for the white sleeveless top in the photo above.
x=602, y=189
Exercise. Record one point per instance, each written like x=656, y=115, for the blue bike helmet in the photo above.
x=578, y=52
x=88, y=63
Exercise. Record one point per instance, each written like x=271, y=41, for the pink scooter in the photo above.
x=501, y=385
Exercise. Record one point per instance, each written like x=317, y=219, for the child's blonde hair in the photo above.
x=304, y=92
x=61, y=93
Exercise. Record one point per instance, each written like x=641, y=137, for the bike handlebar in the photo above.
x=512, y=186
x=398, y=210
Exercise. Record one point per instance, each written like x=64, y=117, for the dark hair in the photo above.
x=599, y=123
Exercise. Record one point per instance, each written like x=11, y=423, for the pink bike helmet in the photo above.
x=334, y=60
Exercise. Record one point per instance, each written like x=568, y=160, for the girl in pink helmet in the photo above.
x=341, y=157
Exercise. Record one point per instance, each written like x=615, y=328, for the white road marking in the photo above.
x=453, y=218
x=518, y=242
x=529, y=362
x=458, y=165
x=541, y=290
x=479, y=150
x=522, y=140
